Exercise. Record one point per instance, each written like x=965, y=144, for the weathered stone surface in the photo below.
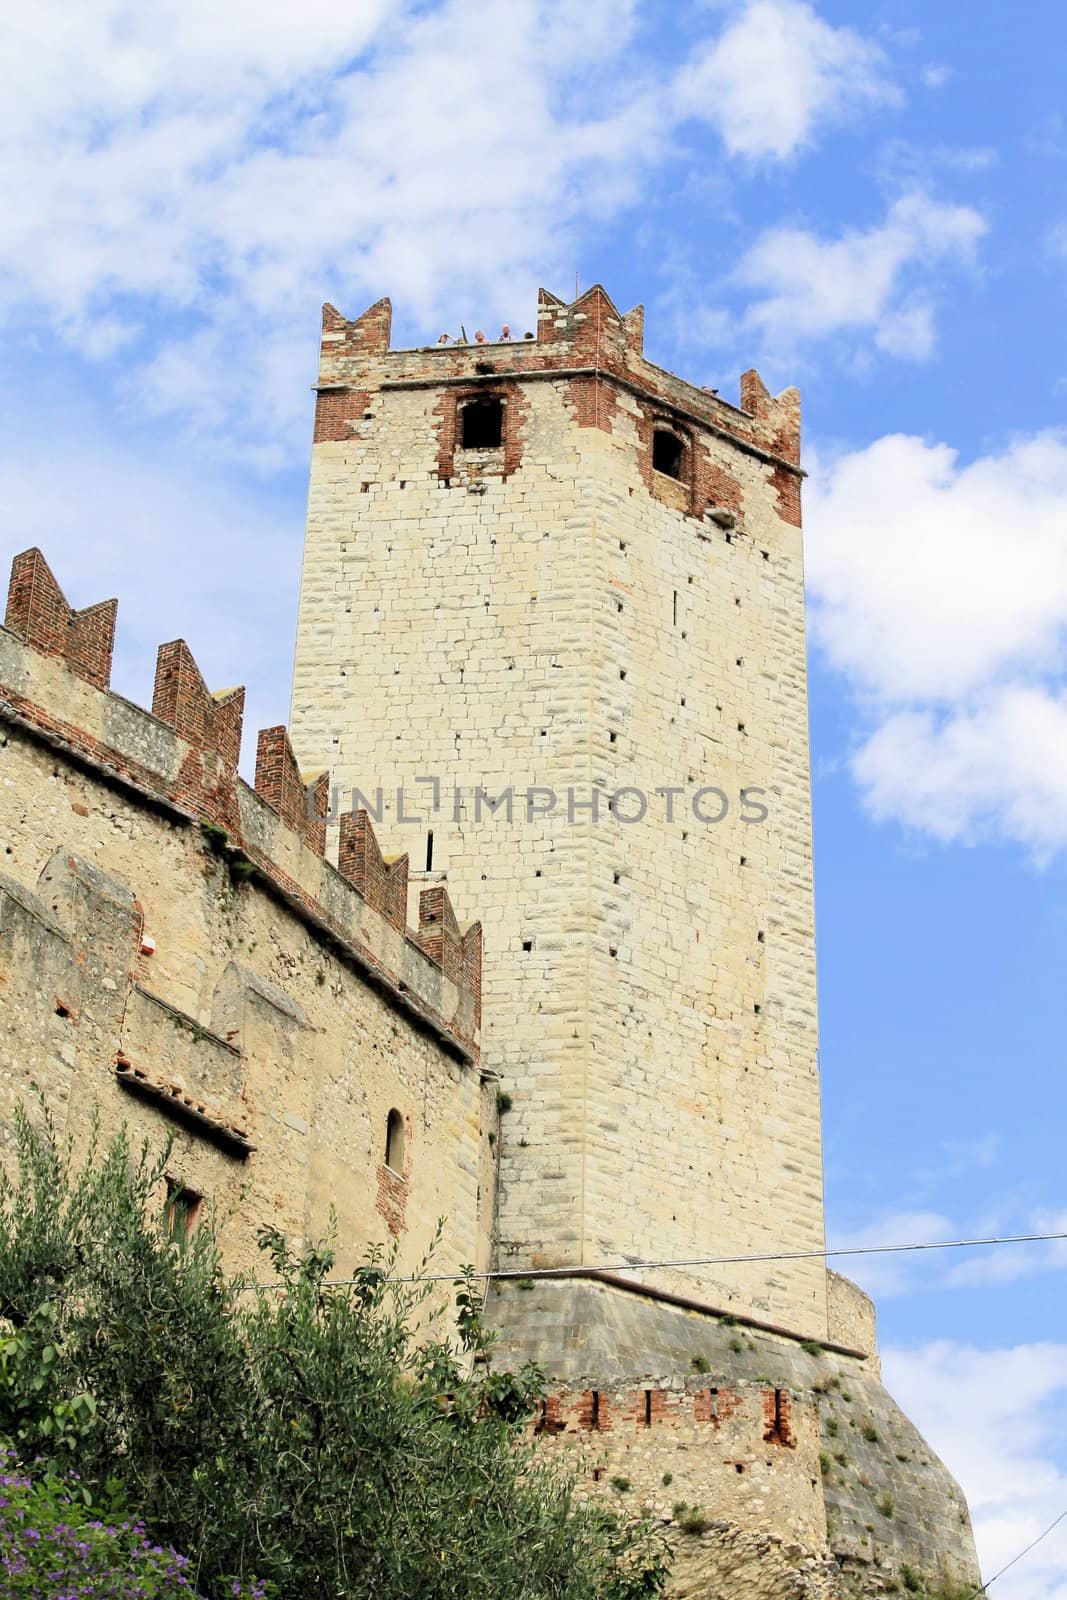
x=178, y=952
x=141, y=981
x=556, y=612
x=695, y=1398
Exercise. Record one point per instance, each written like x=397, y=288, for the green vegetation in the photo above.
x=700, y=1363
x=293, y=1439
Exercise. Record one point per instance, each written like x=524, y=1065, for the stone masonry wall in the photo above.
x=730, y=1433
x=221, y=984
x=555, y=612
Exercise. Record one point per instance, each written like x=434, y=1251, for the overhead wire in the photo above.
x=492, y=1274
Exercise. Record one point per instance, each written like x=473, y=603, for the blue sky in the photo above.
x=868, y=201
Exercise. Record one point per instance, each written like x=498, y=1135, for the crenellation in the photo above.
x=551, y=665
x=38, y=612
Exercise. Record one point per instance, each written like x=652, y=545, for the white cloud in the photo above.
x=998, y=769
x=776, y=73
x=940, y=589
x=185, y=182
x=935, y=77
x=872, y=281
x=885, y=1276
x=1010, y=1263
x=998, y=1418
x=229, y=166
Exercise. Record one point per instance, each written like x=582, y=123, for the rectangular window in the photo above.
x=482, y=424
x=181, y=1211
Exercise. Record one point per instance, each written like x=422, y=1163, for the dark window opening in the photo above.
x=429, y=851
x=394, y=1142
x=648, y=1408
x=594, y=1408
x=182, y=1210
x=668, y=453
x=483, y=424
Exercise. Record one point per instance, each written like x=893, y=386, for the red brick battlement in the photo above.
x=55, y=666
x=588, y=344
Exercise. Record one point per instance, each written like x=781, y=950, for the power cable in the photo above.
x=528, y=1273
x=974, y=1594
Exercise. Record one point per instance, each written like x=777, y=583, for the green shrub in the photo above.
x=53, y=1542
x=299, y=1435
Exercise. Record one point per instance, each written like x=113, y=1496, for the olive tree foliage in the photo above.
x=293, y=1432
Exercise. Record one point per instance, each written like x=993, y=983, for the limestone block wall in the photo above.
x=176, y=955
x=553, y=613
x=780, y=1466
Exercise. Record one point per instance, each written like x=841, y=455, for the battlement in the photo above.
x=587, y=344
x=182, y=758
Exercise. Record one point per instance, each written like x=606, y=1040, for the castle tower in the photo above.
x=555, y=578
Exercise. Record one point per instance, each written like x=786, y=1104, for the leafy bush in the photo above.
x=53, y=1543
x=298, y=1435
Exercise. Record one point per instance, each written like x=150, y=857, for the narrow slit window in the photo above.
x=394, y=1142
x=482, y=425
x=182, y=1210
x=429, y=851
x=668, y=453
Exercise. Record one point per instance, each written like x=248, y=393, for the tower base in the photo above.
x=784, y=1470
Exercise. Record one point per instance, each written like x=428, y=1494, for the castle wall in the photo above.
x=555, y=613
x=780, y=1466
x=223, y=986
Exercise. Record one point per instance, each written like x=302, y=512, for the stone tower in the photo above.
x=552, y=609
x=555, y=578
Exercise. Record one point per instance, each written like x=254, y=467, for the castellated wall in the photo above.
x=176, y=954
x=554, y=611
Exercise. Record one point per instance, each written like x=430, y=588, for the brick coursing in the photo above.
x=37, y=611
x=199, y=783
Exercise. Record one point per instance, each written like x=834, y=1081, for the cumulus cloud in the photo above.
x=873, y=281
x=185, y=182
x=940, y=588
x=997, y=1419
x=187, y=177
x=886, y=1276
x=776, y=74
x=1011, y=1263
